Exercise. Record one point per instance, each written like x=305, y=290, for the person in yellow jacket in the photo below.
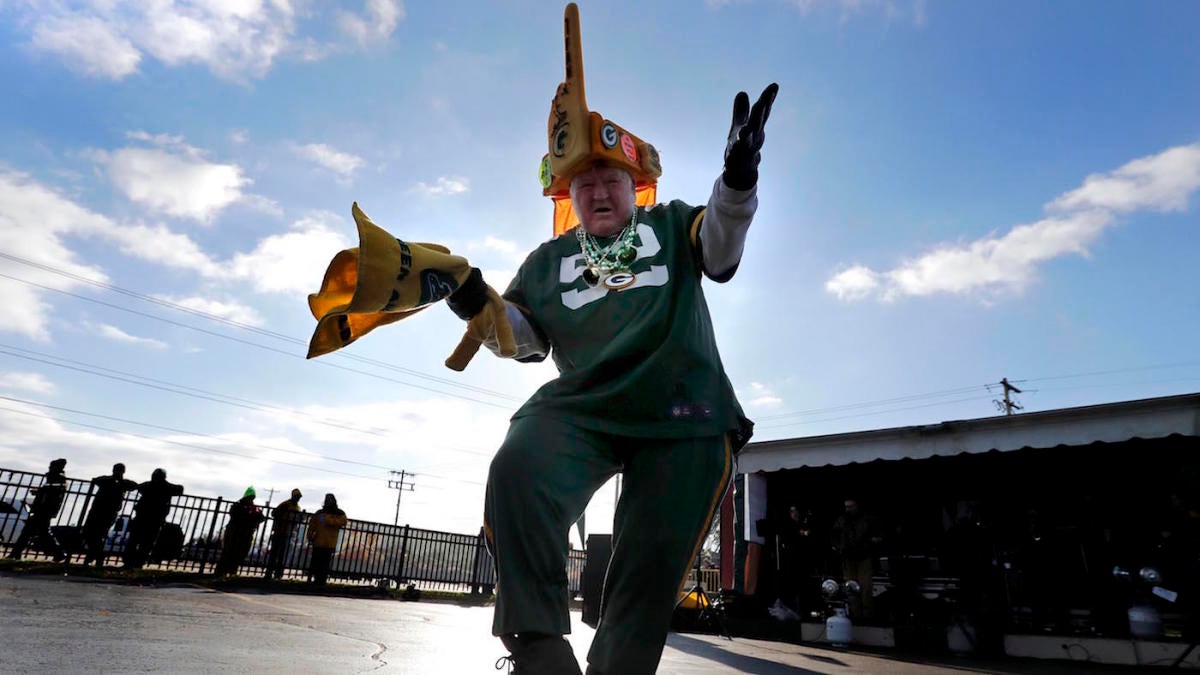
x=323, y=530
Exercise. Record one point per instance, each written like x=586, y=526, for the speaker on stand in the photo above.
x=599, y=551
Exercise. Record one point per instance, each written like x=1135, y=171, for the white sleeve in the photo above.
x=723, y=229
x=531, y=344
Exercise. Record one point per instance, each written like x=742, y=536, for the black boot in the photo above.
x=539, y=654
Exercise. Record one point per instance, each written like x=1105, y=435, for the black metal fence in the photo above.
x=191, y=541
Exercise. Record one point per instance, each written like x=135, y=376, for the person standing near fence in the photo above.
x=284, y=518
x=45, y=507
x=322, y=533
x=106, y=505
x=244, y=518
x=149, y=515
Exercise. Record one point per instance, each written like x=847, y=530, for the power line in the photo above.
x=872, y=404
x=1099, y=385
x=202, y=435
x=186, y=445
x=250, y=343
x=423, y=474
x=242, y=325
x=1112, y=371
x=202, y=394
x=877, y=412
x=960, y=390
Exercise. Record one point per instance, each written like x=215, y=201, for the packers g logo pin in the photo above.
x=608, y=135
x=619, y=280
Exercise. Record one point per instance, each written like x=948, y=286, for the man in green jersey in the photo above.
x=617, y=303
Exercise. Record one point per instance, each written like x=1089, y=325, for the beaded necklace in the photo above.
x=612, y=259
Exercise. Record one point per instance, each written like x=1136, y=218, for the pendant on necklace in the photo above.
x=591, y=275
x=619, y=280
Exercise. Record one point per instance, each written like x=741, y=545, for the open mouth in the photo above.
x=602, y=210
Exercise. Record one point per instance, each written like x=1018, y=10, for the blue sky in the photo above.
x=951, y=193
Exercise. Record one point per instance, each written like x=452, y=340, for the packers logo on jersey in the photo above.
x=571, y=272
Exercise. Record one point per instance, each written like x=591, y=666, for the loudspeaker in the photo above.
x=599, y=551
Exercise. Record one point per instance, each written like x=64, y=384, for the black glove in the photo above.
x=746, y=138
x=470, y=298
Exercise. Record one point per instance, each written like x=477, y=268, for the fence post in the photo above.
x=403, y=555
x=207, y=540
x=475, y=564
x=86, y=501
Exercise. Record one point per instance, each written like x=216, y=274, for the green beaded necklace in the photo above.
x=616, y=257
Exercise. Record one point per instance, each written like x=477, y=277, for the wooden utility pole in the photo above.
x=1009, y=404
x=400, y=485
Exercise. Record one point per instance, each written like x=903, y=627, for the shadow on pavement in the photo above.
x=748, y=664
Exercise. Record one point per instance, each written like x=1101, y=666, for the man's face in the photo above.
x=794, y=513
x=851, y=507
x=603, y=198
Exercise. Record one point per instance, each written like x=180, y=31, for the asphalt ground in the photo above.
x=63, y=624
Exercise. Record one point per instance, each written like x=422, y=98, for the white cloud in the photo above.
x=236, y=40
x=173, y=178
x=444, y=186
x=498, y=278
x=343, y=164
x=35, y=382
x=88, y=45
x=59, y=218
x=381, y=17
x=42, y=242
x=239, y=136
x=226, y=309
x=291, y=262
x=492, y=248
x=1008, y=262
x=158, y=244
x=113, y=333
x=890, y=9
x=760, y=396
x=1161, y=182
x=854, y=283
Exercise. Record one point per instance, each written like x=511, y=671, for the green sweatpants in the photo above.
x=540, y=481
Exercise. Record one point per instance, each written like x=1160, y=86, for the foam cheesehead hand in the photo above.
x=381, y=281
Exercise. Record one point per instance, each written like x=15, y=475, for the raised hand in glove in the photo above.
x=746, y=138
x=487, y=319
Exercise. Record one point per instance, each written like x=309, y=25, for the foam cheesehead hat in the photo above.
x=579, y=138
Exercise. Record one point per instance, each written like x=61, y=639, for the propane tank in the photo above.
x=838, y=628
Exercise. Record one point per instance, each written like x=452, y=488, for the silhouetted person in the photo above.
x=244, y=518
x=970, y=554
x=106, y=505
x=855, y=537
x=323, y=534
x=46, y=503
x=149, y=514
x=799, y=561
x=284, y=519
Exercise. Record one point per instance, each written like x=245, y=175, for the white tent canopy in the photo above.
x=1106, y=423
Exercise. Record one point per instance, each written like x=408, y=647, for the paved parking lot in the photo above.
x=68, y=625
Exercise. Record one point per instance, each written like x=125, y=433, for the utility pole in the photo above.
x=270, y=496
x=1009, y=405
x=401, y=484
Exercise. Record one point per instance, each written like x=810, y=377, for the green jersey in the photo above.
x=640, y=360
